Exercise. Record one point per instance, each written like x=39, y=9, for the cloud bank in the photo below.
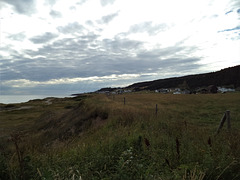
x=66, y=47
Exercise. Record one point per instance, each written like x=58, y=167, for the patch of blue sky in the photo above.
x=228, y=12
x=232, y=29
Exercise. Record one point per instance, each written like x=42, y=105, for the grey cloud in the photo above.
x=87, y=56
x=68, y=48
x=90, y=23
x=36, y=70
x=71, y=28
x=121, y=45
x=43, y=38
x=71, y=58
x=73, y=8
x=234, y=7
x=26, y=7
x=90, y=37
x=235, y=3
x=75, y=59
x=81, y=2
x=17, y=37
x=8, y=48
x=142, y=27
x=148, y=27
x=166, y=52
x=109, y=18
x=55, y=14
x=107, y=65
x=106, y=2
x=51, y=2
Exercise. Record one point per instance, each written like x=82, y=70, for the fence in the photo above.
x=225, y=117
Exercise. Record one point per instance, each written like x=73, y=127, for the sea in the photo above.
x=10, y=99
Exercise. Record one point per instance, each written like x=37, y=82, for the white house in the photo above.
x=223, y=90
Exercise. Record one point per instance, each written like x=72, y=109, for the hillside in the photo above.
x=226, y=77
x=97, y=136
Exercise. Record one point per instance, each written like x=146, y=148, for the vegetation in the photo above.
x=98, y=137
x=228, y=77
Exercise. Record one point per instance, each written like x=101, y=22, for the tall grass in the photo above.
x=131, y=142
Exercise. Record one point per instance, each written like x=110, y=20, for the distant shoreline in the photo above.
x=14, y=99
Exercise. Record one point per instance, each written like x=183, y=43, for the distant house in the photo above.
x=177, y=90
x=119, y=91
x=182, y=92
x=223, y=90
x=103, y=92
x=185, y=91
x=127, y=91
x=162, y=91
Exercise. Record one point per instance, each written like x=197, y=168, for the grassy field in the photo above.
x=100, y=137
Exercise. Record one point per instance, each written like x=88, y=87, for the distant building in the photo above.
x=119, y=91
x=223, y=90
x=185, y=91
x=103, y=92
x=162, y=91
x=182, y=91
x=127, y=91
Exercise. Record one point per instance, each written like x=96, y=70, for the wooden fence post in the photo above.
x=225, y=117
x=156, y=109
x=124, y=101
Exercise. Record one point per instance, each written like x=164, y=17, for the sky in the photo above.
x=73, y=46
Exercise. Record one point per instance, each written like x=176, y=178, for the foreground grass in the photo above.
x=99, y=137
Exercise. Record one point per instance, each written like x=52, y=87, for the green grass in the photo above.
x=98, y=137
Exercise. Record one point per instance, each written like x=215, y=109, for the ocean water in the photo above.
x=8, y=99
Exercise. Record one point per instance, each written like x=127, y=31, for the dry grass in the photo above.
x=105, y=139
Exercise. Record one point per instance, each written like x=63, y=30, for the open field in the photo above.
x=100, y=137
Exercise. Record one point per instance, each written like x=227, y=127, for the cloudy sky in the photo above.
x=72, y=46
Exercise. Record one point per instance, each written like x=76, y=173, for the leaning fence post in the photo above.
x=225, y=117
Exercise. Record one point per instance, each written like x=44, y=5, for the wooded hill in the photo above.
x=229, y=77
